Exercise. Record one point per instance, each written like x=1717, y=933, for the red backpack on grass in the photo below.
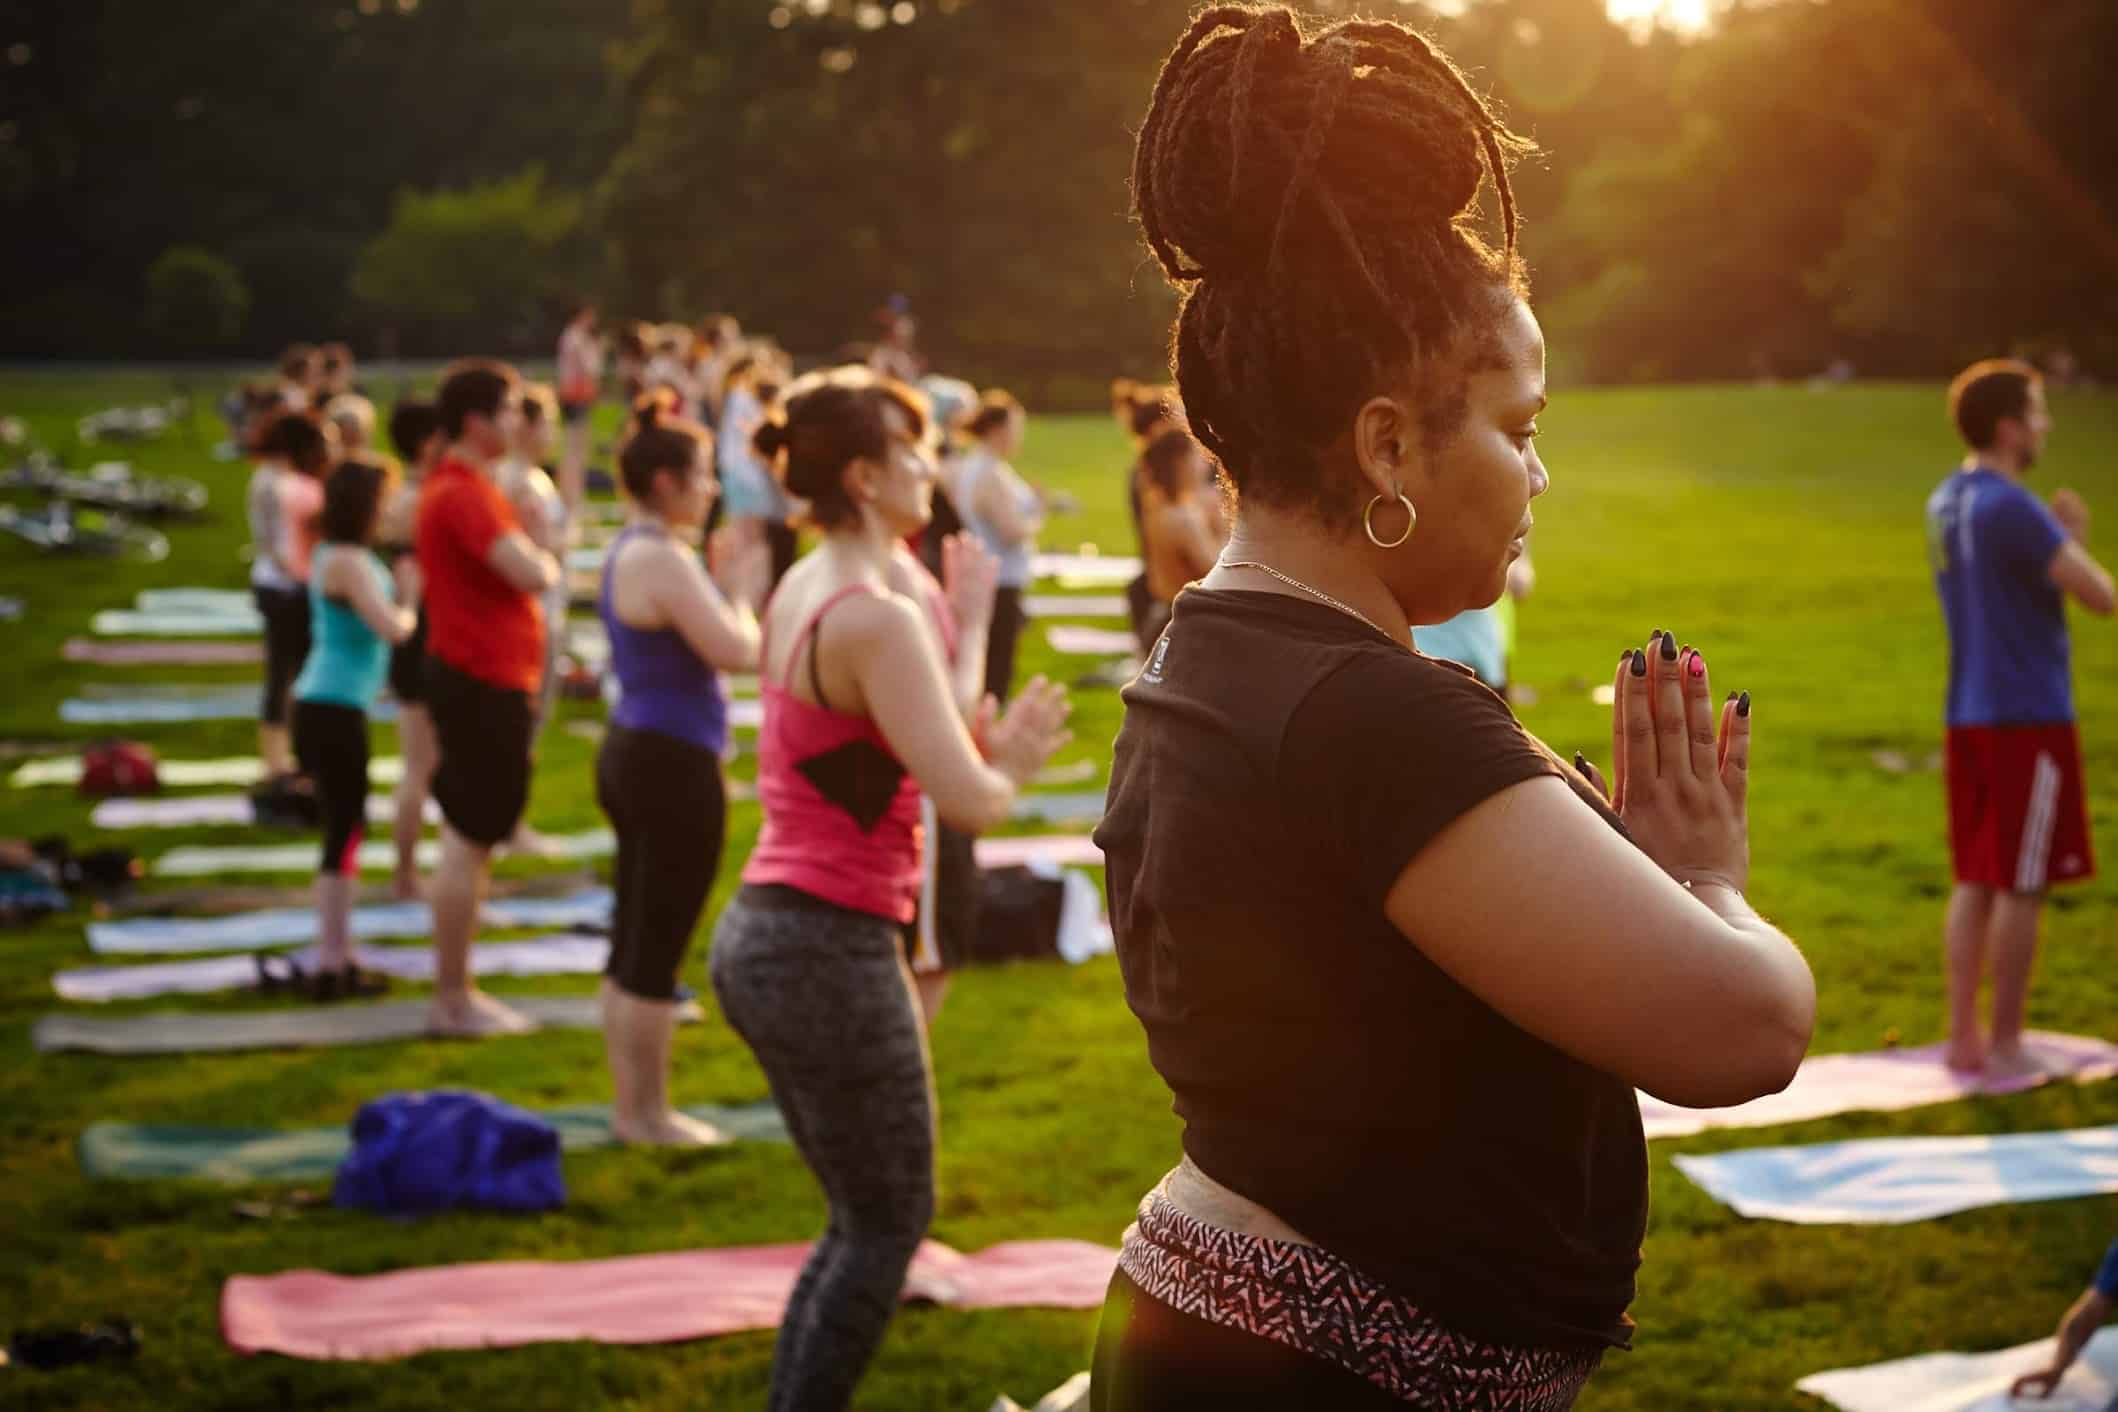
x=118, y=767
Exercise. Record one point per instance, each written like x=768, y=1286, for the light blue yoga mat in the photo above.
x=289, y=926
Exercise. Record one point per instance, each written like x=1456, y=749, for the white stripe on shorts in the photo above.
x=2033, y=860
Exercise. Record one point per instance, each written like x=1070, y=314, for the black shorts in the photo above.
x=668, y=806
x=331, y=741
x=286, y=615
x=408, y=666
x=482, y=782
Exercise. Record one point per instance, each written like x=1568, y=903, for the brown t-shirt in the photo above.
x=1279, y=765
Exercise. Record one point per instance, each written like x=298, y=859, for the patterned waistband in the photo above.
x=1306, y=1298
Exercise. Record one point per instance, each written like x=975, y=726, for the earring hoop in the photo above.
x=1368, y=522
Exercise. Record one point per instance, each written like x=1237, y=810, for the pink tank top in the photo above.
x=841, y=812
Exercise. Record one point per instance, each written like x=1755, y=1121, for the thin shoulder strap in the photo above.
x=610, y=561
x=808, y=631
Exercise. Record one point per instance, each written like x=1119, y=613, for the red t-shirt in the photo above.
x=477, y=621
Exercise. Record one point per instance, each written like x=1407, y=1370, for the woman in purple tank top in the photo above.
x=658, y=776
x=862, y=716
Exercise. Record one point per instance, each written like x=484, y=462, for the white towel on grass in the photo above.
x=287, y=926
x=1889, y=1181
x=1973, y=1382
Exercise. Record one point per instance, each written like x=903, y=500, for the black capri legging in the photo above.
x=1000, y=640
x=286, y=615
x=668, y=806
x=331, y=742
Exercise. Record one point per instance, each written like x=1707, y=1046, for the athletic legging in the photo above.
x=1000, y=639
x=286, y=615
x=331, y=742
x=822, y=997
x=667, y=805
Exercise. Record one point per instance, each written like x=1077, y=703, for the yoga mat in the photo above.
x=1973, y=1382
x=214, y=811
x=131, y=652
x=1087, y=570
x=1078, y=641
x=130, y=622
x=232, y=703
x=1072, y=605
x=65, y=771
x=635, y=1299
x=1885, y=1081
x=146, y=1151
x=285, y=926
x=1056, y=808
x=1058, y=850
x=566, y=955
x=376, y=855
x=200, y=602
x=1893, y=1181
x=305, y=1027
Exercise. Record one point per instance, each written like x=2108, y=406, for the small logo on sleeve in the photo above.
x=1158, y=660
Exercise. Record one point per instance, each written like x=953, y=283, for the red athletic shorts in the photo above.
x=2018, y=815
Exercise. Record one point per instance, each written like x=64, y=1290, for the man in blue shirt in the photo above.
x=2004, y=562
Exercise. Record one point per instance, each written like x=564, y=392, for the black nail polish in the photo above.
x=1743, y=705
x=1669, y=648
x=1626, y=655
x=1639, y=664
x=1580, y=763
x=1731, y=697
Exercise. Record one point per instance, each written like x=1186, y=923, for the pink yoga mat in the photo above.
x=635, y=1299
x=1884, y=1082
x=133, y=652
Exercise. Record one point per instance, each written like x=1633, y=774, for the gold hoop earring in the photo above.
x=1368, y=522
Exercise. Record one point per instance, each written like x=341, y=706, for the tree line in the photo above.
x=1898, y=184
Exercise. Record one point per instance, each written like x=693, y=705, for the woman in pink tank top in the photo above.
x=863, y=713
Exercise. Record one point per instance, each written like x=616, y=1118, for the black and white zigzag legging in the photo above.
x=1202, y=1316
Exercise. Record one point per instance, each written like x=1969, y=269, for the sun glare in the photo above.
x=1688, y=15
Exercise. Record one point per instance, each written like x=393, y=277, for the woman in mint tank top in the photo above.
x=356, y=623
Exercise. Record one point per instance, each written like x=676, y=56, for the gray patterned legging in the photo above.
x=822, y=997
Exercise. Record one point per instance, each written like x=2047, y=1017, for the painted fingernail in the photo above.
x=1731, y=698
x=1639, y=664
x=1698, y=666
x=1669, y=648
x=1743, y=704
x=1580, y=763
x=1626, y=655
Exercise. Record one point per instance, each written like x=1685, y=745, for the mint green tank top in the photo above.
x=348, y=661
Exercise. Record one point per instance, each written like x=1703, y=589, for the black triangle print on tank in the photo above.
x=860, y=777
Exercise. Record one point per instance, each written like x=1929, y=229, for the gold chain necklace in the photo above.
x=1316, y=593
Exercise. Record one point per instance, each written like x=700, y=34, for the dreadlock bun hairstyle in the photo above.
x=1313, y=197
x=657, y=441
x=830, y=420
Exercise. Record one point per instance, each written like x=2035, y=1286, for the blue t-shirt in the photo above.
x=1991, y=543
x=2107, y=1273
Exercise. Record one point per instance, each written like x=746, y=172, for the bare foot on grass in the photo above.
x=1966, y=1057
x=671, y=1129
x=475, y=1016
x=2012, y=1064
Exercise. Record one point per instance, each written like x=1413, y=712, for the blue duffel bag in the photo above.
x=418, y=1152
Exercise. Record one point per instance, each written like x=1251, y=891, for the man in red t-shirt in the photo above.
x=485, y=656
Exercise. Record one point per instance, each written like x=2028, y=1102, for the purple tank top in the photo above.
x=663, y=685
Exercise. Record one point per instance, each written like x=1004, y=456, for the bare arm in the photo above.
x=347, y=579
x=2086, y=1315
x=2075, y=572
x=515, y=558
x=721, y=632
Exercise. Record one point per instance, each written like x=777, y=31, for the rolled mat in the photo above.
x=636, y=1299
x=64, y=771
x=1885, y=1081
x=1059, y=850
x=205, y=975
x=1075, y=605
x=1077, y=641
x=310, y=1027
x=132, y=652
x=1891, y=1181
x=1972, y=1382
x=155, y=1151
x=288, y=926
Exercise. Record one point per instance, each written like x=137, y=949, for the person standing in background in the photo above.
x=2004, y=564
x=415, y=431
x=1005, y=512
x=285, y=497
x=580, y=382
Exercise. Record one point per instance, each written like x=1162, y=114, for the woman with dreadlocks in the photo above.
x=1401, y=968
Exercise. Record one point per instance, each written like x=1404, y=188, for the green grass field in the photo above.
x=1777, y=528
